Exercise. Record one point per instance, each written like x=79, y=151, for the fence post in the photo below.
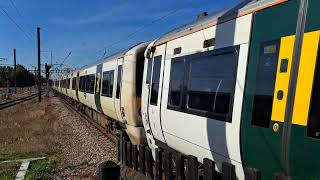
x=228, y=171
x=159, y=161
x=209, y=169
x=119, y=149
x=192, y=168
x=124, y=153
x=252, y=174
x=179, y=161
x=142, y=166
x=149, y=167
x=109, y=170
x=129, y=154
x=168, y=170
x=135, y=157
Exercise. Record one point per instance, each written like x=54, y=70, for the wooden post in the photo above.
x=179, y=161
x=149, y=159
x=228, y=171
x=192, y=168
x=252, y=174
x=159, y=161
x=168, y=170
x=15, y=70
x=124, y=153
x=129, y=154
x=109, y=170
x=209, y=169
x=135, y=157
x=39, y=65
x=142, y=166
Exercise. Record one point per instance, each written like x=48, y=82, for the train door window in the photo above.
x=107, y=83
x=119, y=79
x=68, y=83
x=81, y=83
x=74, y=83
x=211, y=83
x=313, y=129
x=265, y=84
x=155, y=80
x=149, y=70
x=91, y=81
x=176, y=83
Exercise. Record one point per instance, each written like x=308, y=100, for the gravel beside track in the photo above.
x=82, y=146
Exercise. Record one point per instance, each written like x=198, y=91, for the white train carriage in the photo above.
x=112, y=87
x=185, y=68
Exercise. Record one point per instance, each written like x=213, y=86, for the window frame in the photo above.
x=184, y=100
x=159, y=58
x=108, y=90
x=262, y=45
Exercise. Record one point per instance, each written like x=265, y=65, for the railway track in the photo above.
x=91, y=121
x=17, y=101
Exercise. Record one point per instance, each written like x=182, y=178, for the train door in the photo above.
x=155, y=93
x=77, y=85
x=263, y=117
x=97, y=92
x=117, y=100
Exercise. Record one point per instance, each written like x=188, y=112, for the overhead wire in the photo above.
x=14, y=22
x=20, y=14
x=132, y=34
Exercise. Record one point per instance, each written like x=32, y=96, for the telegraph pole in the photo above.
x=39, y=64
x=15, y=70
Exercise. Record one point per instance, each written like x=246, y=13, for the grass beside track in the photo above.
x=27, y=131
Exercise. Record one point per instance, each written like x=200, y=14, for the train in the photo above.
x=218, y=88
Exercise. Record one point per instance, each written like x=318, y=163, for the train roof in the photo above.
x=243, y=8
x=112, y=57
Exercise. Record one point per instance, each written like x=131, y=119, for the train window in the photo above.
x=149, y=70
x=68, y=83
x=176, y=82
x=211, y=84
x=74, y=83
x=265, y=84
x=91, y=82
x=107, y=83
x=81, y=83
x=155, y=80
x=119, y=79
x=209, y=42
x=313, y=129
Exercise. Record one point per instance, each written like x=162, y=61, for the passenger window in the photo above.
x=265, y=84
x=73, y=83
x=107, y=83
x=149, y=70
x=176, y=82
x=91, y=83
x=119, y=79
x=313, y=129
x=211, y=81
x=155, y=80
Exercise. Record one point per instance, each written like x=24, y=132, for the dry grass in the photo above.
x=27, y=130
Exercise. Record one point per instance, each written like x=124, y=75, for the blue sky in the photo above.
x=85, y=27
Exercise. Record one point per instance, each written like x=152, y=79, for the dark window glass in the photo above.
x=176, y=82
x=265, y=83
x=73, y=83
x=155, y=80
x=119, y=79
x=107, y=83
x=211, y=84
x=68, y=83
x=81, y=83
x=149, y=70
x=313, y=129
x=91, y=82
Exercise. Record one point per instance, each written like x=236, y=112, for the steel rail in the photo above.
x=17, y=101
